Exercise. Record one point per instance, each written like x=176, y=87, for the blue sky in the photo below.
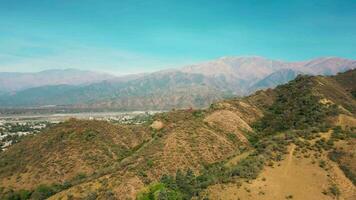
x=130, y=36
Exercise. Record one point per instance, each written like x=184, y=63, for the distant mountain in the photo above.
x=155, y=91
x=191, y=86
x=243, y=72
x=327, y=66
x=12, y=81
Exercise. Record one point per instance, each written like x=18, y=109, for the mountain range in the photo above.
x=190, y=86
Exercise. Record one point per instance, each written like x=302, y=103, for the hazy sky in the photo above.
x=145, y=35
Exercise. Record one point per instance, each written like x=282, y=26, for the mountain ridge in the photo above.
x=216, y=79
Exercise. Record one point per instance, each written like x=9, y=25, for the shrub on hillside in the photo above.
x=248, y=168
x=295, y=107
x=159, y=191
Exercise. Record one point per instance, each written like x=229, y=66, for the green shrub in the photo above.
x=80, y=176
x=159, y=191
x=89, y=135
x=198, y=113
x=248, y=168
x=348, y=173
x=322, y=164
x=17, y=195
x=150, y=163
x=334, y=190
x=42, y=192
x=91, y=196
x=232, y=137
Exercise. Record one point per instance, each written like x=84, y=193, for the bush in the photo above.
x=150, y=163
x=19, y=195
x=198, y=113
x=336, y=155
x=338, y=134
x=322, y=164
x=91, y=196
x=109, y=195
x=348, y=173
x=248, y=168
x=159, y=191
x=232, y=137
x=80, y=176
x=42, y=192
x=334, y=190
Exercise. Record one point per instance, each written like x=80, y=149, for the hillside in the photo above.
x=87, y=146
x=307, y=170
x=272, y=144
x=276, y=78
x=191, y=86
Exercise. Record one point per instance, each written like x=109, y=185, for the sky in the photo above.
x=133, y=36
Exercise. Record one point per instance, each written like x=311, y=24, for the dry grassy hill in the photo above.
x=272, y=144
x=68, y=151
x=188, y=139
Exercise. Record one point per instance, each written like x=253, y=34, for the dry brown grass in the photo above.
x=293, y=176
x=345, y=121
x=348, y=158
x=62, y=152
x=186, y=140
x=229, y=121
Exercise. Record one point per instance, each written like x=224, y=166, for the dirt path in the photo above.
x=289, y=159
x=236, y=159
x=137, y=151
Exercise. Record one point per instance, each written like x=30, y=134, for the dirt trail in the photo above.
x=289, y=159
x=137, y=151
x=236, y=159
